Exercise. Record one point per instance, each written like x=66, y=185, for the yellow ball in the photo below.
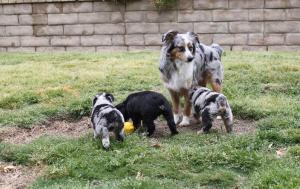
x=128, y=127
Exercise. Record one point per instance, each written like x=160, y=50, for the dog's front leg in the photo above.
x=175, y=105
x=97, y=130
x=105, y=138
x=95, y=135
x=228, y=120
x=150, y=127
x=187, y=108
x=206, y=120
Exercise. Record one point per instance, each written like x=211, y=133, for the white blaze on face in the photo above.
x=188, y=54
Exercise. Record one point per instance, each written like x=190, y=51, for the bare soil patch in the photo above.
x=79, y=128
x=17, y=135
x=17, y=177
x=240, y=126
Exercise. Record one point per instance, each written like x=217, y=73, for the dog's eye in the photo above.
x=191, y=49
x=181, y=49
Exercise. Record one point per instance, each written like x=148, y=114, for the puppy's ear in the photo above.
x=110, y=97
x=95, y=100
x=169, y=36
x=194, y=36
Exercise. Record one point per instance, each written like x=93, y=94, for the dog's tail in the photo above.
x=168, y=115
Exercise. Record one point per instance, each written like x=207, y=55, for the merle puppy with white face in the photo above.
x=185, y=62
x=105, y=118
x=145, y=107
x=208, y=105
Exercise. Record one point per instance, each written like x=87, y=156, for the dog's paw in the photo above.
x=177, y=118
x=199, y=132
x=219, y=117
x=185, y=121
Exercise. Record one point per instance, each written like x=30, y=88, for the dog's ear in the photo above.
x=109, y=97
x=169, y=36
x=218, y=48
x=95, y=100
x=194, y=36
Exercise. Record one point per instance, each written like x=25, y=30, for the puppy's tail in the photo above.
x=168, y=115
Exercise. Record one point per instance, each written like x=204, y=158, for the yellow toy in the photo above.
x=128, y=127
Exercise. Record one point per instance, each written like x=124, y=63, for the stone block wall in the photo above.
x=68, y=25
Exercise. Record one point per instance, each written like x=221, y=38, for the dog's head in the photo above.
x=221, y=103
x=180, y=47
x=103, y=98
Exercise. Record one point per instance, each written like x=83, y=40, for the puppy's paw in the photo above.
x=219, y=117
x=177, y=118
x=185, y=121
x=174, y=133
x=199, y=132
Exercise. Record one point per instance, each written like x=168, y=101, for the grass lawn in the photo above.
x=260, y=86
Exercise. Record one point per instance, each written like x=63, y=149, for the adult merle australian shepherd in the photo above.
x=185, y=62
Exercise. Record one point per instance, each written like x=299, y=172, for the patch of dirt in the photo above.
x=76, y=129
x=239, y=127
x=17, y=135
x=17, y=177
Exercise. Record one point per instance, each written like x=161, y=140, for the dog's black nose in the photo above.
x=190, y=59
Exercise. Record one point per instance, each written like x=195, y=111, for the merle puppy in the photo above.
x=208, y=105
x=106, y=118
x=146, y=106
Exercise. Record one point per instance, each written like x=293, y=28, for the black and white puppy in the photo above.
x=106, y=118
x=208, y=105
x=146, y=106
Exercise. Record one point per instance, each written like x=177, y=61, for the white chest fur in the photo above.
x=182, y=77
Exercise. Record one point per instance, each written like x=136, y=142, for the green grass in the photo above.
x=262, y=86
x=47, y=85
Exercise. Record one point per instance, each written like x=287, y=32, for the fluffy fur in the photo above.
x=185, y=62
x=145, y=107
x=105, y=118
x=209, y=105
